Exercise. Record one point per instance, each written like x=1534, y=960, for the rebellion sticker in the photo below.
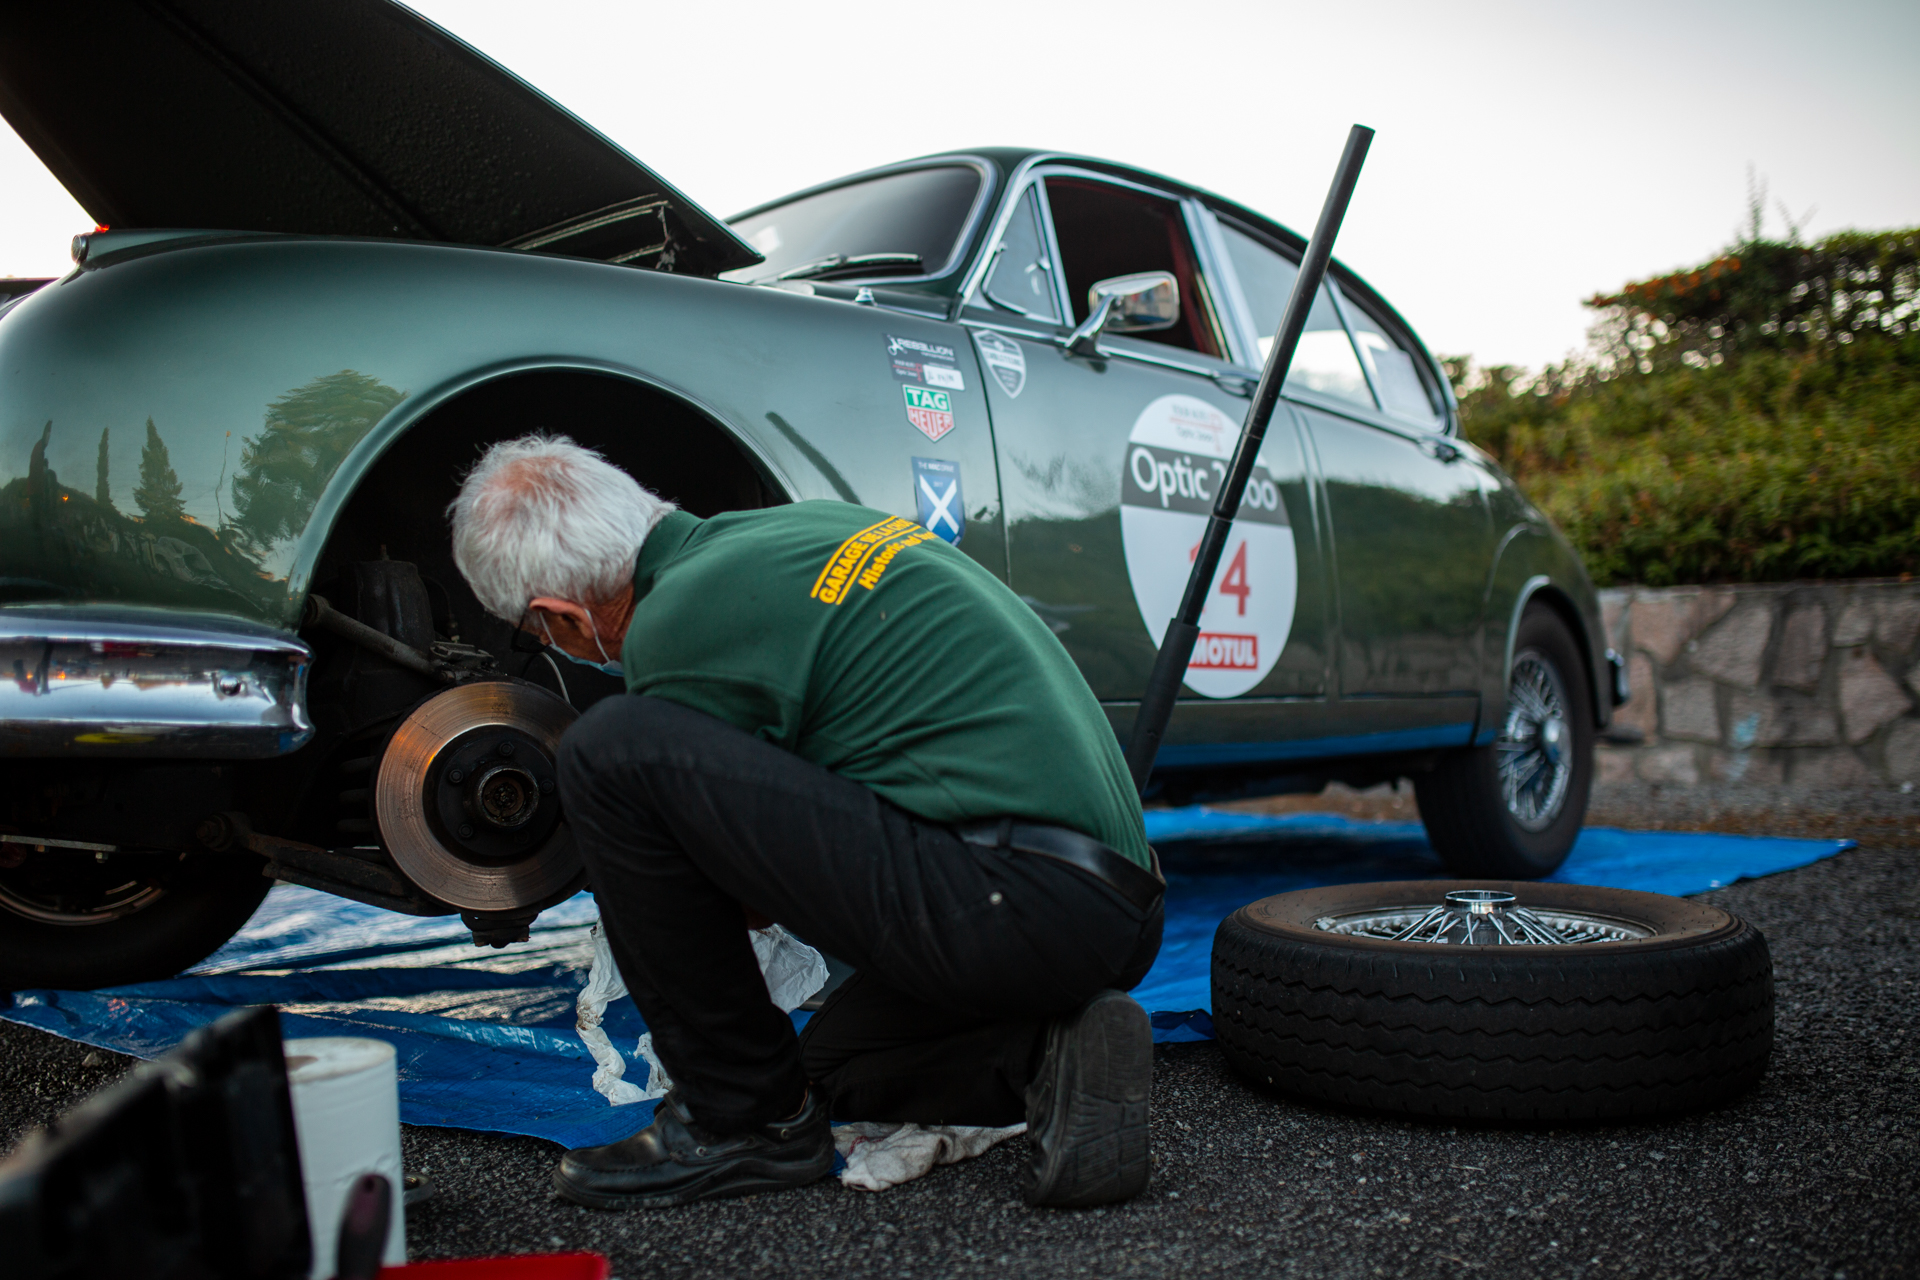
x=1175, y=460
x=936, y=497
x=928, y=363
x=1004, y=360
x=929, y=410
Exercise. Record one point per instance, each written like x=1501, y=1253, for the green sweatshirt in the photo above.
x=867, y=645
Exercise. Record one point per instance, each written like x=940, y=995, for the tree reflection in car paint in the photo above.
x=60, y=542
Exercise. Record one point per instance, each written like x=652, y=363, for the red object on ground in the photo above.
x=526, y=1266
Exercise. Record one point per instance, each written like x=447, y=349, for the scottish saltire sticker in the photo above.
x=1004, y=360
x=931, y=364
x=1175, y=460
x=929, y=410
x=936, y=496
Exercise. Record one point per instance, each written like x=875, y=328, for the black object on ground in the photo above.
x=1176, y=648
x=676, y=1160
x=186, y=1167
x=364, y=1223
x=1504, y=1000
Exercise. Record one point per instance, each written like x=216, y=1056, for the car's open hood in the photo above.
x=329, y=117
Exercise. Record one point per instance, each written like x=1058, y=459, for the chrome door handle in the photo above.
x=1440, y=450
x=1235, y=385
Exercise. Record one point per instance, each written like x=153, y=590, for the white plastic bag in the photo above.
x=793, y=971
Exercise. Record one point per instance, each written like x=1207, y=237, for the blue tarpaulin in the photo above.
x=486, y=1038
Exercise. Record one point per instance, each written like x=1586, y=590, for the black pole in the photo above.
x=1176, y=650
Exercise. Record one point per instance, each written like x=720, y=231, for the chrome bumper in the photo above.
x=103, y=681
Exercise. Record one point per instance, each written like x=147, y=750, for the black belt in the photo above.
x=1137, y=884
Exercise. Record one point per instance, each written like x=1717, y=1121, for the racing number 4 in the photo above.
x=1234, y=581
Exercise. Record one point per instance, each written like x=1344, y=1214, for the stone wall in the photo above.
x=1798, y=684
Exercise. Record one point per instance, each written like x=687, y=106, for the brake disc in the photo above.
x=466, y=799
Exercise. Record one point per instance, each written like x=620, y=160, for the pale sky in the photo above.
x=1528, y=155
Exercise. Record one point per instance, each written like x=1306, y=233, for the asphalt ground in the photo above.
x=1812, y=1174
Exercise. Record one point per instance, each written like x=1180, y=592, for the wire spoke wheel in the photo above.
x=1533, y=752
x=1494, y=999
x=1514, y=806
x=1484, y=918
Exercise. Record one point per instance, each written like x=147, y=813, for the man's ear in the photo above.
x=567, y=620
x=562, y=609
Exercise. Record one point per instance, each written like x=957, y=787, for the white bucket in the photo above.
x=346, y=1110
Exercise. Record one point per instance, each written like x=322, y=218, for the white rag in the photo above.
x=879, y=1156
x=793, y=970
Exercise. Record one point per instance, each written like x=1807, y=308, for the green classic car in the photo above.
x=341, y=252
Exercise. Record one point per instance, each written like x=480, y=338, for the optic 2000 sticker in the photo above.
x=1175, y=459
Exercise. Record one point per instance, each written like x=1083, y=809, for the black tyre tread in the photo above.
x=1488, y=1034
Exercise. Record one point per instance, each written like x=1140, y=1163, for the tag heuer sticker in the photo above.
x=936, y=496
x=928, y=363
x=929, y=410
x=1004, y=360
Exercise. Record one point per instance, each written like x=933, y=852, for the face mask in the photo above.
x=607, y=667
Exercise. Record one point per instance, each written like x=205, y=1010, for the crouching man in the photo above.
x=836, y=721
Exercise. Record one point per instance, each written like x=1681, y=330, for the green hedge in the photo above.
x=1754, y=420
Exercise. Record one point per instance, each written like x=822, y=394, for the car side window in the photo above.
x=1022, y=279
x=1396, y=375
x=1105, y=230
x=1325, y=360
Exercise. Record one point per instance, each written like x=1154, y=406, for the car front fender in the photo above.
x=1534, y=564
x=180, y=424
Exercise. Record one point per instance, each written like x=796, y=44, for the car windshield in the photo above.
x=900, y=224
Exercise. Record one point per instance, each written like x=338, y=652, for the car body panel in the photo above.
x=284, y=367
x=248, y=393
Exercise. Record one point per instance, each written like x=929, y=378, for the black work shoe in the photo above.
x=675, y=1161
x=1087, y=1106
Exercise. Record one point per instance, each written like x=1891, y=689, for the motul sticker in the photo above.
x=1214, y=652
x=1175, y=459
x=1004, y=360
x=929, y=410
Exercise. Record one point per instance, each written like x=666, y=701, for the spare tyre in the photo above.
x=1485, y=999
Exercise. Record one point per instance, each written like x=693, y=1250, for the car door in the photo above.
x=1109, y=463
x=1410, y=530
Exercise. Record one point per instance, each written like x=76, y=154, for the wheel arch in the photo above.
x=416, y=415
x=1542, y=590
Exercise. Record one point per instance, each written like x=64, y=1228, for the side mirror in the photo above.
x=1138, y=303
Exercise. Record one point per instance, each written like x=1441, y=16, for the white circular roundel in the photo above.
x=1175, y=459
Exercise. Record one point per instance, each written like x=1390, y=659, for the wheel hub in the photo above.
x=492, y=793
x=465, y=798
x=1483, y=918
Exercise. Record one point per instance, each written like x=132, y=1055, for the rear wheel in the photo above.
x=1514, y=808
x=71, y=921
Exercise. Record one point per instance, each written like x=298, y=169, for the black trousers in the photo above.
x=961, y=952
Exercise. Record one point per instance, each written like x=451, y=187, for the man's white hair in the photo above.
x=543, y=516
